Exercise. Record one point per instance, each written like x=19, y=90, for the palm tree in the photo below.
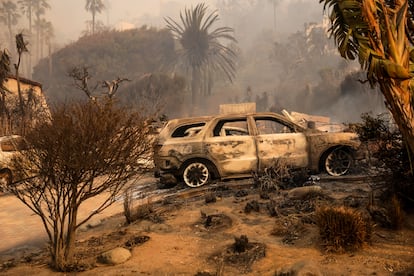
x=46, y=33
x=201, y=48
x=94, y=6
x=9, y=16
x=27, y=9
x=274, y=3
x=375, y=32
x=39, y=8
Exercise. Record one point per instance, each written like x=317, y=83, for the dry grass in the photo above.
x=342, y=228
x=290, y=228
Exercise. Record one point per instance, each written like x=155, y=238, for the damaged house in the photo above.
x=19, y=113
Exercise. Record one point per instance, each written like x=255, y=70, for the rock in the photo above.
x=301, y=268
x=302, y=192
x=91, y=223
x=115, y=256
x=94, y=222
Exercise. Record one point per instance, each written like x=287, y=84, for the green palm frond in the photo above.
x=373, y=31
x=341, y=29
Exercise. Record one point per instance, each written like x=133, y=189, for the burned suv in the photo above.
x=197, y=150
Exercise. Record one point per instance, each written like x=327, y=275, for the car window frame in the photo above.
x=216, y=130
x=291, y=126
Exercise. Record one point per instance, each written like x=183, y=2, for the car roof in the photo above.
x=258, y=114
x=189, y=120
x=174, y=123
x=227, y=115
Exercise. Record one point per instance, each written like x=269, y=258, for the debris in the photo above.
x=302, y=192
x=252, y=206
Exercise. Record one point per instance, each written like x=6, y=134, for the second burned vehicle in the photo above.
x=197, y=150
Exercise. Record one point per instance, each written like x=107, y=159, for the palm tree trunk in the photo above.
x=38, y=39
x=30, y=38
x=274, y=15
x=195, y=89
x=9, y=26
x=400, y=104
x=93, y=22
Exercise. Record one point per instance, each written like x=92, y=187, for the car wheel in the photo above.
x=196, y=174
x=338, y=162
x=5, y=179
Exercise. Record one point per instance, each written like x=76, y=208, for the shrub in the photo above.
x=386, y=145
x=342, y=228
x=85, y=149
x=144, y=211
x=389, y=214
x=279, y=176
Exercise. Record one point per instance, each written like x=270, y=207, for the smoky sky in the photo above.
x=69, y=17
x=257, y=24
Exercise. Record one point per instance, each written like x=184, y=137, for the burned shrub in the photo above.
x=279, y=176
x=241, y=254
x=241, y=193
x=271, y=178
x=210, y=197
x=136, y=240
x=342, y=228
x=271, y=208
x=240, y=244
x=264, y=195
x=389, y=215
x=252, y=206
x=388, y=151
x=128, y=206
x=213, y=221
x=82, y=150
x=141, y=212
x=290, y=228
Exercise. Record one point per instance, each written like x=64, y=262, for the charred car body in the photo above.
x=197, y=150
x=10, y=147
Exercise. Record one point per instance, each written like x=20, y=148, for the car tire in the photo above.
x=338, y=162
x=196, y=174
x=5, y=179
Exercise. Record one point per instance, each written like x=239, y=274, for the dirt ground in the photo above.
x=195, y=234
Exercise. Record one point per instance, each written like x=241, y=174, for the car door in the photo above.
x=232, y=148
x=278, y=140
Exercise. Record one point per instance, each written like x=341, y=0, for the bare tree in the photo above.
x=81, y=79
x=113, y=86
x=85, y=150
x=21, y=47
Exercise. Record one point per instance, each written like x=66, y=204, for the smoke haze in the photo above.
x=284, y=52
